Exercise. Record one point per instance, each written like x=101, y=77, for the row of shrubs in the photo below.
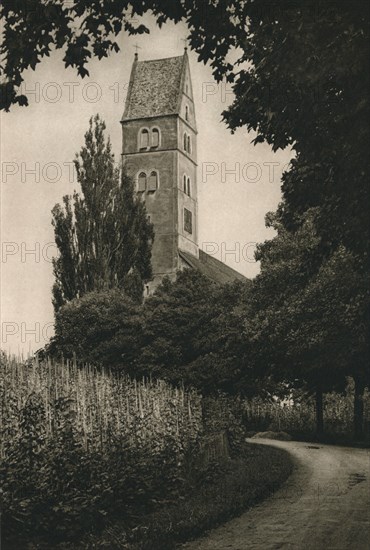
x=79, y=445
x=82, y=448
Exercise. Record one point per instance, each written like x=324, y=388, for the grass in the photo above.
x=225, y=492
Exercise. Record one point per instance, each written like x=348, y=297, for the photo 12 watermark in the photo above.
x=31, y=334
x=73, y=91
x=25, y=252
x=237, y=172
x=237, y=252
x=216, y=90
x=38, y=172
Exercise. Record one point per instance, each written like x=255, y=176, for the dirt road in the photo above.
x=324, y=505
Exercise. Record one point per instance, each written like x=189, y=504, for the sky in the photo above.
x=238, y=183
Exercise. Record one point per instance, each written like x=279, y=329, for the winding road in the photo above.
x=324, y=505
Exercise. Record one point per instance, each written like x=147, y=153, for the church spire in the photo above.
x=155, y=87
x=159, y=152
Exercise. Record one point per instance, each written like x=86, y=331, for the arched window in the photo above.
x=141, y=182
x=153, y=181
x=188, y=187
x=184, y=184
x=155, y=137
x=185, y=142
x=189, y=145
x=144, y=139
x=186, y=112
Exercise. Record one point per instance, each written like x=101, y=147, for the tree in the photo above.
x=301, y=82
x=172, y=321
x=188, y=332
x=336, y=311
x=101, y=328
x=285, y=271
x=191, y=330
x=103, y=235
x=309, y=320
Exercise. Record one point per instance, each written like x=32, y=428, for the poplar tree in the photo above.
x=102, y=234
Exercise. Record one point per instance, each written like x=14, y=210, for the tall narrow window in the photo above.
x=188, y=221
x=189, y=145
x=184, y=183
x=144, y=139
x=186, y=112
x=185, y=142
x=188, y=187
x=141, y=182
x=155, y=137
x=153, y=181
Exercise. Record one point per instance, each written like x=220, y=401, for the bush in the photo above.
x=79, y=446
x=187, y=332
x=92, y=459
x=101, y=327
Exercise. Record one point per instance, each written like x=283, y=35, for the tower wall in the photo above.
x=172, y=207
x=160, y=205
x=131, y=129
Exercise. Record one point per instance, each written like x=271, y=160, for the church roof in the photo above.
x=154, y=88
x=212, y=268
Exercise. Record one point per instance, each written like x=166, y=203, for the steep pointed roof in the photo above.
x=155, y=87
x=212, y=268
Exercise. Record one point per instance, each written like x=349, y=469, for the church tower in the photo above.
x=160, y=153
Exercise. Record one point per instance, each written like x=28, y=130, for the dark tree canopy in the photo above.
x=305, y=86
x=102, y=327
x=190, y=330
x=315, y=316
x=309, y=321
x=103, y=235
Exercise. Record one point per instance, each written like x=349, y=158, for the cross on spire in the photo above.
x=185, y=40
x=137, y=47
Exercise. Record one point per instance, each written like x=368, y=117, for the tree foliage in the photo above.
x=302, y=83
x=103, y=234
x=99, y=328
x=309, y=321
x=190, y=331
